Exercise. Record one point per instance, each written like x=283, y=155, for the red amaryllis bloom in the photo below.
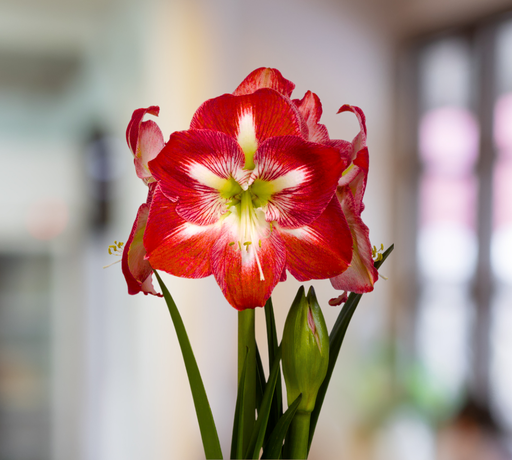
x=244, y=194
x=145, y=141
x=361, y=275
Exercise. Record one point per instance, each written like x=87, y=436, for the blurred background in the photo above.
x=88, y=372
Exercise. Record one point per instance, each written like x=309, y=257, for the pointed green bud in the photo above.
x=305, y=350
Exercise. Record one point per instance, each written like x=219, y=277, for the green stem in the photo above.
x=247, y=347
x=299, y=435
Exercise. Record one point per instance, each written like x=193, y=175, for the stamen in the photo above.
x=344, y=173
x=113, y=263
x=376, y=253
x=262, y=276
x=232, y=243
x=115, y=250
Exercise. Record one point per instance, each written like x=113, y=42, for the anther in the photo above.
x=114, y=249
x=376, y=253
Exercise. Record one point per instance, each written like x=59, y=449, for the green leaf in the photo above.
x=260, y=428
x=335, y=340
x=276, y=410
x=276, y=439
x=207, y=427
x=237, y=439
x=271, y=330
x=260, y=380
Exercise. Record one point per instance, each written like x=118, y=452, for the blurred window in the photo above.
x=24, y=357
x=448, y=141
x=464, y=245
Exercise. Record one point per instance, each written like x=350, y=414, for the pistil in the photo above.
x=248, y=227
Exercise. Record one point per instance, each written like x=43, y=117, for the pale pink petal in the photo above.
x=320, y=250
x=265, y=78
x=136, y=269
x=361, y=275
x=359, y=141
x=355, y=177
x=151, y=142
x=174, y=245
x=145, y=141
x=132, y=132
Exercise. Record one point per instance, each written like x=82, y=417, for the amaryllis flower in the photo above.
x=245, y=195
x=361, y=275
x=145, y=141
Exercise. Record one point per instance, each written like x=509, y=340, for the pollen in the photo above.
x=116, y=248
x=377, y=253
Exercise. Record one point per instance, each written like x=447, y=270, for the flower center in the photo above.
x=247, y=219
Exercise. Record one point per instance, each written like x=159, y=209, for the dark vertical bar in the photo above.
x=485, y=60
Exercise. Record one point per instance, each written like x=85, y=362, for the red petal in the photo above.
x=273, y=114
x=356, y=178
x=310, y=108
x=238, y=274
x=320, y=250
x=265, y=78
x=191, y=164
x=145, y=140
x=361, y=275
x=175, y=245
x=357, y=175
x=359, y=141
x=342, y=298
x=306, y=175
x=136, y=269
x=132, y=132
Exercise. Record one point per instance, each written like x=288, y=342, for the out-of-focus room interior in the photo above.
x=88, y=372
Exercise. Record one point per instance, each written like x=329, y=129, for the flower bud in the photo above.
x=305, y=349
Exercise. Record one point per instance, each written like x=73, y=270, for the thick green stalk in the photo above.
x=299, y=435
x=247, y=348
